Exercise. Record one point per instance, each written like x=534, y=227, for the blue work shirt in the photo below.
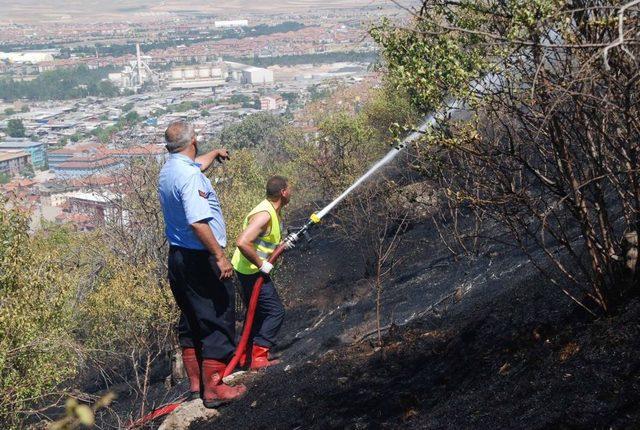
x=186, y=197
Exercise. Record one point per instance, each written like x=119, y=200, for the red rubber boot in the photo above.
x=192, y=365
x=260, y=358
x=215, y=391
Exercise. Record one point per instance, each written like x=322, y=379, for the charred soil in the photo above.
x=500, y=367
x=502, y=349
x=469, y=343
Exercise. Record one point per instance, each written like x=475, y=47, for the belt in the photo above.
x=174, y=248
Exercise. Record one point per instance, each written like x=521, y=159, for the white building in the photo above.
x=256, y=76
x=32, y=57
x=197, y=76
x=231, y=24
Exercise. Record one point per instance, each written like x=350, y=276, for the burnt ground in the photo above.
x=486, y=372
x=472, y=343
x=482, y=343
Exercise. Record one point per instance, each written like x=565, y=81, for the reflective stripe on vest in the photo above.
x=264, y=245
x=260, y=242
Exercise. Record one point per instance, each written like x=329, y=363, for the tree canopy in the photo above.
x=549, y=142
x=258, y=130
x=15, y=128
x=60, y=84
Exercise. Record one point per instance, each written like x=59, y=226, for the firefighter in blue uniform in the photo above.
x=200, y=275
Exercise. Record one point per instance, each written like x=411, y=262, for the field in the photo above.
x=30, y=11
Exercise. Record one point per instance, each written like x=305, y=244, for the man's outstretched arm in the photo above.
x=205, y=160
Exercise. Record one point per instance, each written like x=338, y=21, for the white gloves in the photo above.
x=266, y=267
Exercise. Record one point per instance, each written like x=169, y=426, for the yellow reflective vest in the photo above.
x=264, y=245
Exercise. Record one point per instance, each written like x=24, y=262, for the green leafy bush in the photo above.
x=37, y=348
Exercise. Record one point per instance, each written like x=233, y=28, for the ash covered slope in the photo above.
x=475, y=344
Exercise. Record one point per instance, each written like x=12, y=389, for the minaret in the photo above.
x=139, y=64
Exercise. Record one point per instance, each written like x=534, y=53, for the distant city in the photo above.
x=78, y=101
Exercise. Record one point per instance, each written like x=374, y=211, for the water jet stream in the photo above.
x=428, y=122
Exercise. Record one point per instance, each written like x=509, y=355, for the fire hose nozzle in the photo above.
x=290, y=240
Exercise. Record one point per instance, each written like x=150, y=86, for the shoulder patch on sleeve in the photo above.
x=202, y=194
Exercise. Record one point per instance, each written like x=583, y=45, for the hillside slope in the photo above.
x=484, y=343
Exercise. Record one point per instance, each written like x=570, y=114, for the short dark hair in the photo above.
x=275, y=185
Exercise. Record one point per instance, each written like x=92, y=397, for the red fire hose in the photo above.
x=251, y=312
x=156, y=413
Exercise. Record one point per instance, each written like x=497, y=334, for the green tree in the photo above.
x=131, y=117
x=291, y=98
x=27, y=171
x=104, y=134
x=244, y=100
x=318, y=92
x=258, y=130
x=552, y=117
x=183, y=106
x=240, y=185
x=63, y=142
x=15, y=128
x=9, y=111
x=60, y=84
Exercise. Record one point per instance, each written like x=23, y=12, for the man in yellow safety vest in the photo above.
x=262, y=233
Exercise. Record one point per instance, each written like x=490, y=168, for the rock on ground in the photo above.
x=187, y=414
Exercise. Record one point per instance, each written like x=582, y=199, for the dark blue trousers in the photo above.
x=269, y=313
x=207, y=322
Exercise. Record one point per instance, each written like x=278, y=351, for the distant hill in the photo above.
x=84, y=10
